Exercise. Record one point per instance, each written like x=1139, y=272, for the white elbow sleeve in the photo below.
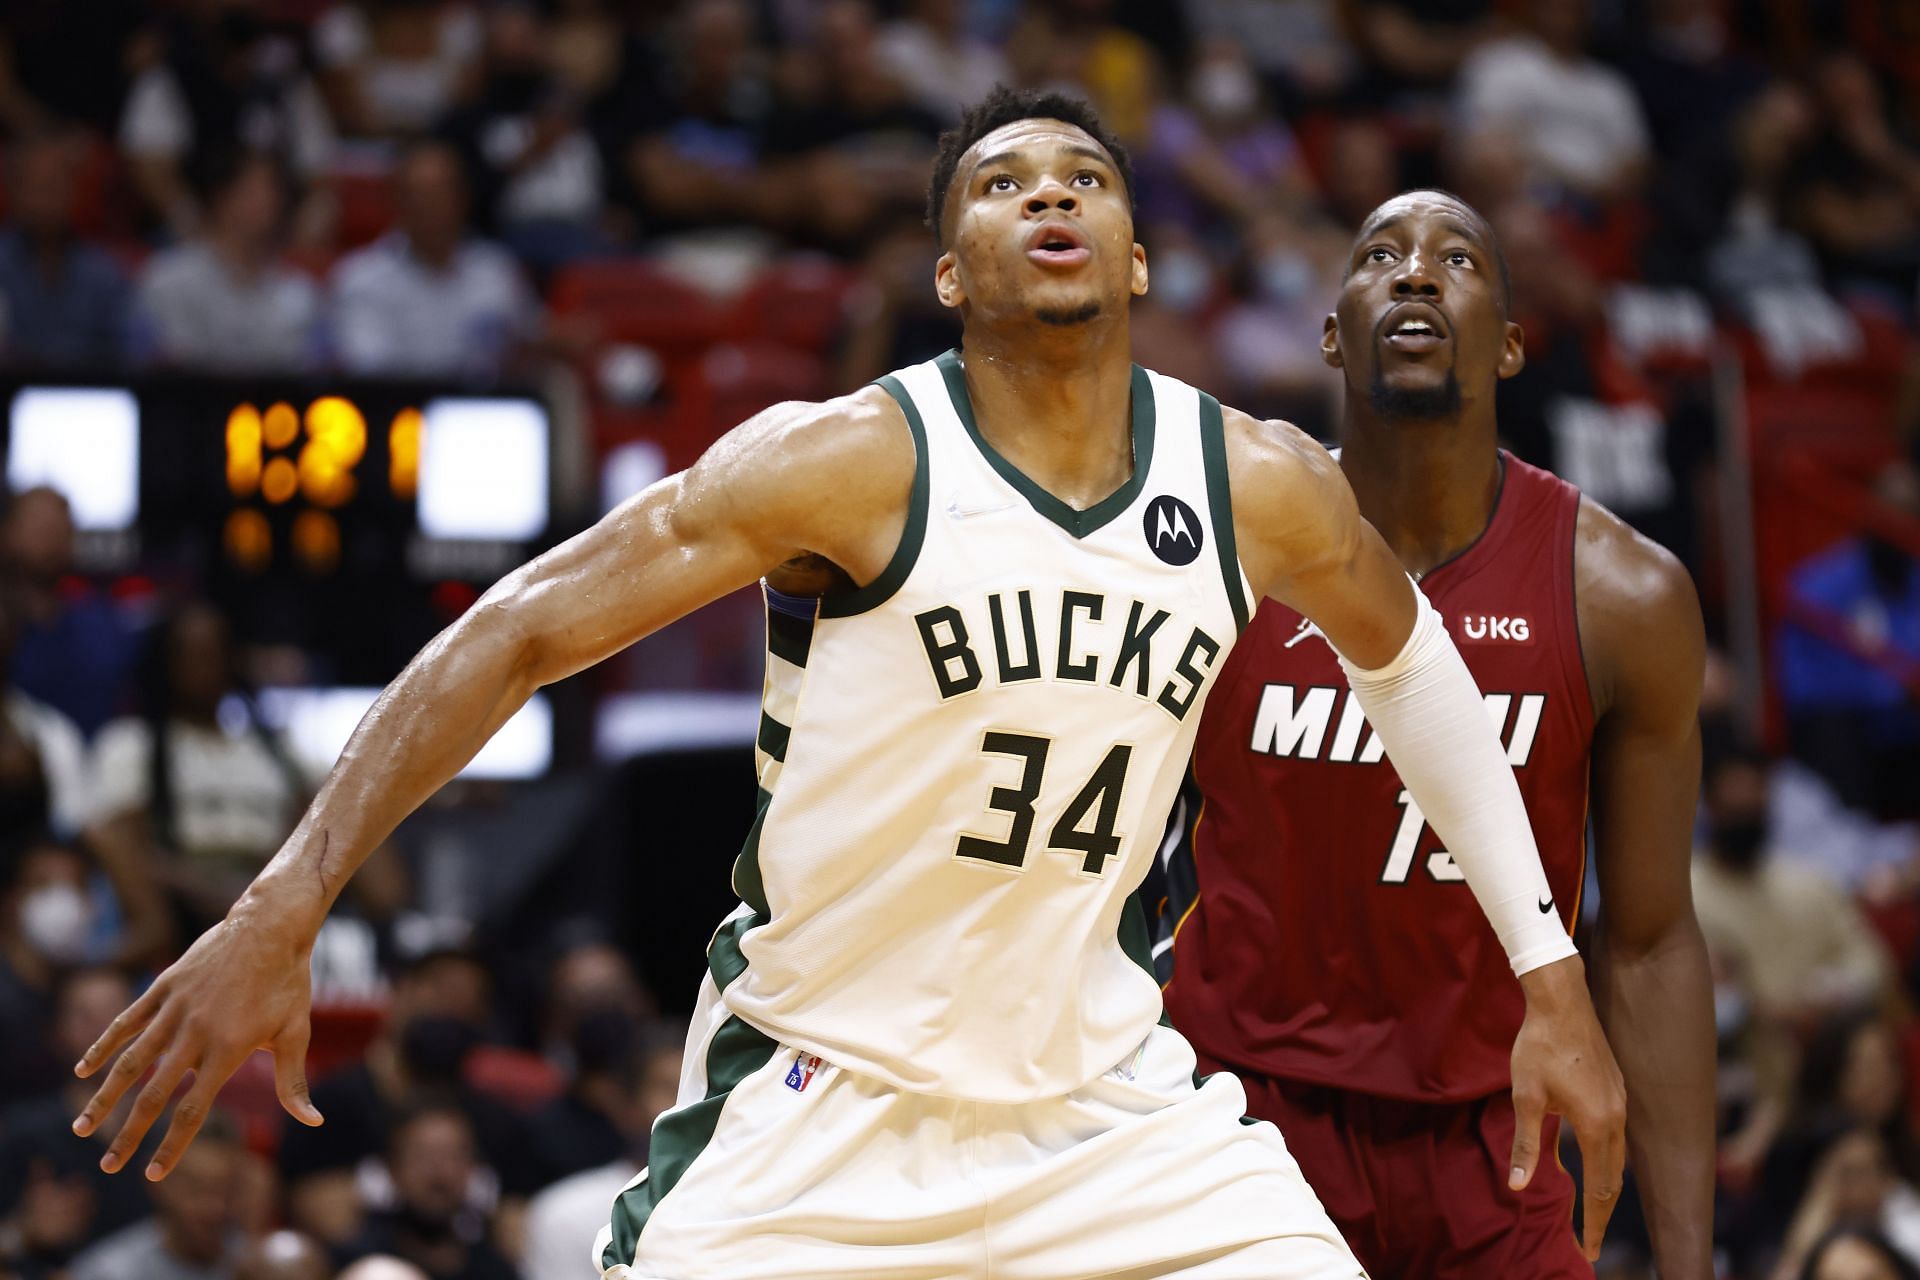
x=1433, y=722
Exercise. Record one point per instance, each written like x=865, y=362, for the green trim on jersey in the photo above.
x=747, y=881
x=736, y=1051
x=1076, y=522
x=1213, y=456
x=838, y=604
x=789, y=638
x=773, y=737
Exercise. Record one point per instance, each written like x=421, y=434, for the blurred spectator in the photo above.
x=46, y=925
x=582, y=1129
x=64, y=62
x=1856, y=190
x=1269, y=339
x=283, y=1255
x=1576, y=121
x=395, y=67
x=432, y=1160
x=203, y=800
x=72, y=649
x=1076, y=45
x=894, y=318
x=217, y=78
x=227, y=301
x=54, y=1197
x=43, y=759
x=943, y=66
x=64, y=300
x=1856, y=1253
x=1854, y=1186
x=699, y=132
x=1849, y=660
x=1412, y=50
x=1799, y=943
x=1789, y=949
x=575, y=1208
x=1362, y=170
x=1687, y=73
x=537, y=168
x=194, y=1232
x=1218, y=167
x=1299, y=43
x=435, y=1017
x=589, y=975
x=427, y=299
x=848, y=133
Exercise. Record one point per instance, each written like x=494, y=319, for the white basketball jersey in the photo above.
x=965, y=766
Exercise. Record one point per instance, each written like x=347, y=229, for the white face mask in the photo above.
x=55, y=919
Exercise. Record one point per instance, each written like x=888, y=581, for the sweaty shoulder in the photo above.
x=1639, y=616
x=1288, y=495
x=822, y=486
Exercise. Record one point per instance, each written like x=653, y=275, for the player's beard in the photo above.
x=1064, y=317
x=1414, y=404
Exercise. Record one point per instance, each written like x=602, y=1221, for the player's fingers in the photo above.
x=147, y=1106
x=132, y=1020
x=290, y=1072
x=190, y=1114
x=1603, y=1164
x=131, y=1065
x=1529, y=1113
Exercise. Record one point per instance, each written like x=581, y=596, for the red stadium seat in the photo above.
x=365, y=206
x=800, y=303
x=634, y=300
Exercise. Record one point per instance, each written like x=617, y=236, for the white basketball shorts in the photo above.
x=777, y=1165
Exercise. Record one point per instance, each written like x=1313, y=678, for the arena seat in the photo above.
x=800, y=303
x=635, y=300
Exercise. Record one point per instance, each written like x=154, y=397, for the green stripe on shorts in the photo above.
x=735, y=1052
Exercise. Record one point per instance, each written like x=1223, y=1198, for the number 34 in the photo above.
x=1098, y=799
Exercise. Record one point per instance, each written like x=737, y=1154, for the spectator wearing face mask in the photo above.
x=433, y=1223
x=436, y=1015
x=634, y=1092
x=1789, y=947
x=47, y=924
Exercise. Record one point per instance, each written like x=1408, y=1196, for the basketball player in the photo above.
x=1326, y=949
x=998, y=586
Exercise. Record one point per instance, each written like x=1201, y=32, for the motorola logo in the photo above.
x=1173, y=530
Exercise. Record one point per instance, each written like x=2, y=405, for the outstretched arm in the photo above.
x=1300, y=531
x=748, y=506
x=1641, y=630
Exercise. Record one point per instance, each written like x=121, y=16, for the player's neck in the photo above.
x=1428, y=487
x=1060, y=409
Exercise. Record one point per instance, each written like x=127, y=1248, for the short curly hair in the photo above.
x=1003, y=107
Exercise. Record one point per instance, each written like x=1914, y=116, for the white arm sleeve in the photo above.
x=1433, y=722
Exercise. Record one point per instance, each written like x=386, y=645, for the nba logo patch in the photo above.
x=801, y=1075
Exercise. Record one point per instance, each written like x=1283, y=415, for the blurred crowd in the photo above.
x=694, y=206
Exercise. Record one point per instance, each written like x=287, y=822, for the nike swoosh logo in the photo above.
x=959, y=512
x=1546, y=906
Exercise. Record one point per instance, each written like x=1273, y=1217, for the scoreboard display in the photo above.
x=352, y=519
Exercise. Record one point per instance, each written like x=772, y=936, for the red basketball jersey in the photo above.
x=1321, y=932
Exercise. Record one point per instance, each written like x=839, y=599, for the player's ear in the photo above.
x=1139, y=271
x=1330, y=343
x=1513, y=355
x=947, y=285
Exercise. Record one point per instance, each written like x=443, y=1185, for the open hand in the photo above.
x=244, y=985
x=1563, y=1065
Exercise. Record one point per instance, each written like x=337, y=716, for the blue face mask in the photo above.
x=1180, y=280
x=1284, y=277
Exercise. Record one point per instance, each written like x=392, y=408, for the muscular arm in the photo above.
x=1640, y=628
x=751, y=504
